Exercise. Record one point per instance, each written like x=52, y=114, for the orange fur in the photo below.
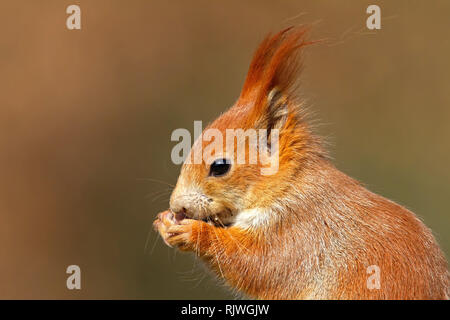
x=309, y=231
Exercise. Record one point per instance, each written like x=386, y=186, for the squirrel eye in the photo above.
x=219, y=167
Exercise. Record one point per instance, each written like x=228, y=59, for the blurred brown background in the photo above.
x=86, y=118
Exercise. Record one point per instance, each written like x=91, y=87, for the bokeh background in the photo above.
x=86, y=118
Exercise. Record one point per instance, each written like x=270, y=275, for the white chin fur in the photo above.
x=252, y=218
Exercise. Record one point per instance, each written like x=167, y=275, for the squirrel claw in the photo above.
x=174, y=233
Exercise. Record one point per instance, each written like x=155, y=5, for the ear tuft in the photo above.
x=272, y=75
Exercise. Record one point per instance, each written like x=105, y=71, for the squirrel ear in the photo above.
x=270, y=80
x=276, y=111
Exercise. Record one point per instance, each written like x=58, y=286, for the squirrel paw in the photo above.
x=175, y=233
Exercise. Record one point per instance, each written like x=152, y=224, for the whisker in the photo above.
x=157, y=181
x=154, y=243
x=157, y=192
x=159, y=196
x=216, y=251
x=199, y=281
x=147, y=240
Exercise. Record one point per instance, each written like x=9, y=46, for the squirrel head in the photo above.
x=248, y=159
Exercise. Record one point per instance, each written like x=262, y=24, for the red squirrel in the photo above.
x=307, y=231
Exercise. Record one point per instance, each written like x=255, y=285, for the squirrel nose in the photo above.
x=178, y=208
x=179, y=214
